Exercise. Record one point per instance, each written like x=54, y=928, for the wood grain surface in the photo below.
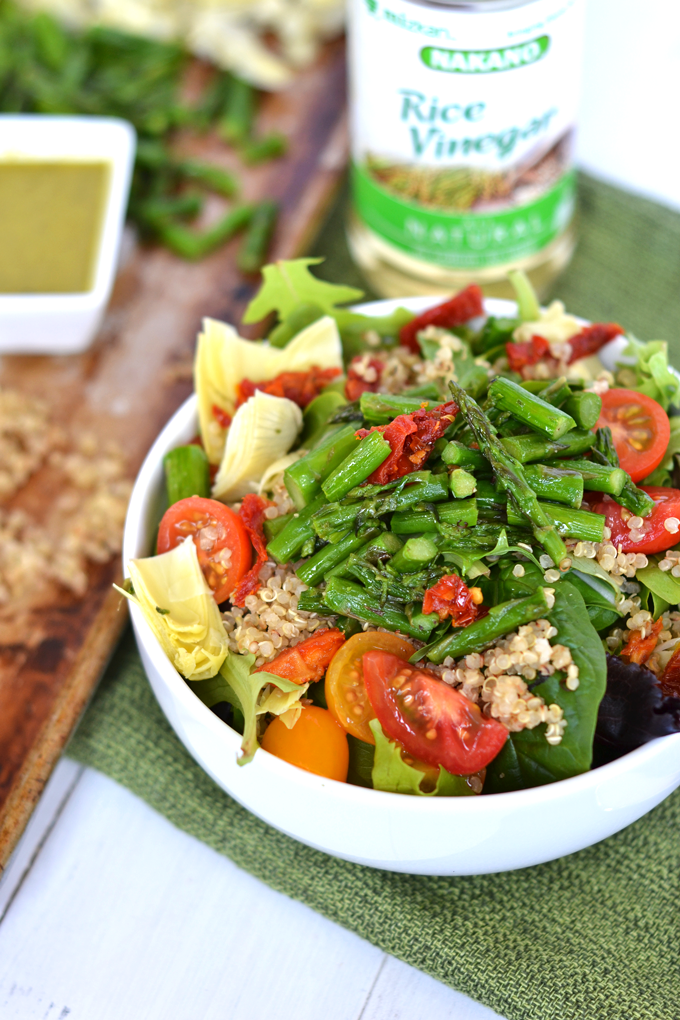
x=124, y=389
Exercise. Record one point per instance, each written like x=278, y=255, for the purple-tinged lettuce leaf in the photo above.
x=634, y=710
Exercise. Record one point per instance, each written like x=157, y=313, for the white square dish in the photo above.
x=65, y=323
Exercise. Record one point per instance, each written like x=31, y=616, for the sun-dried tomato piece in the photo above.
x=411, y=437
x=300, y=387
x=639, y=648
x=308, y=661
x=363, y=376
x=460, y=309
x=221, y=417
x=252, y=515
x=450, y=596
x=591, y=339
x=527, y=353
x=669, y=681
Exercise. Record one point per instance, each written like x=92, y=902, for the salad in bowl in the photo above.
x=429, y=551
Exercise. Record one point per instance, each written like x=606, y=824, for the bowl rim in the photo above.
x=180, y=688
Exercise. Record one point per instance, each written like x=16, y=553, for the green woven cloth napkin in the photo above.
x=593, y=936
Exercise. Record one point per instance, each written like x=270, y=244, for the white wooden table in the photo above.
x=107, y=911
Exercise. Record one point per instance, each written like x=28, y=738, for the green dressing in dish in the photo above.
x=51, y=212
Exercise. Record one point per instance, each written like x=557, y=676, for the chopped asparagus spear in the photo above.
x=510, y=473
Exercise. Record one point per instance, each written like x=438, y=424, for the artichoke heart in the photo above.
x=224, y=359
x=178, y=605
x=263, y=430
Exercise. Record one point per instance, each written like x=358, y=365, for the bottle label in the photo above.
x=462, y=126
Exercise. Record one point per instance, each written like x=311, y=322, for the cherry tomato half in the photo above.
x=222, y=543
x=316, y=743
x=640, y=430
x=656, y=536
x=345, y=692
x=434, y=722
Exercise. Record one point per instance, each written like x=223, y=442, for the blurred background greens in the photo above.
x=53, y=64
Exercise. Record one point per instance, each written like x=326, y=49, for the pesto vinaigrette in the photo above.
x=462, y=124
x=51, y=215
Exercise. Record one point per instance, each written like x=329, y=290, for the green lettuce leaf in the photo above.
x=662, y=474
x=591, y=567
x=246, y=692
x=652, y=373
x=527, y=759
x=660, y=583
x=393, y=775
x=468, y=374
x=289, y=283
x=468, y=563
x=600, y=600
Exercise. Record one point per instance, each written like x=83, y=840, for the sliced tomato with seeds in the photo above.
x=345, y=692
x=659, y=531
x=434, y=722
x=222, y=544
x=640, y=430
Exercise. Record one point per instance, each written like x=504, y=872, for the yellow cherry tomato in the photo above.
x=316, y=743
x=345, y=692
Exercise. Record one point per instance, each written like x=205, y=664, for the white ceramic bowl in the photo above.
x=67, y=323
x=428, y=836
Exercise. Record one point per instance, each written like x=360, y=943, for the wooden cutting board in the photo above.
x=124, y=388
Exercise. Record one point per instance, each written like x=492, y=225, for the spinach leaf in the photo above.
x=599, y=599
x=511, y=587
x=527, y=759
x=660, y=583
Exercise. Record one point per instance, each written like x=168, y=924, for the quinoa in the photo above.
x=26, y=438
x=496, y=679
x=85, y=522
x=271, y=620
x=403, y=368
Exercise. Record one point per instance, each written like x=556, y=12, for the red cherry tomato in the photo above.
x=434, y=722
x=640, y=430
x=656, y=537
x=216, y=531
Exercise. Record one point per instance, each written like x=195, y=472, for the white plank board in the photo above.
x=57, y=791
x=122, y=915
x=403, y=993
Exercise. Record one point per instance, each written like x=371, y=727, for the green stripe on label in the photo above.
x=465, y=240
x=484, y=61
